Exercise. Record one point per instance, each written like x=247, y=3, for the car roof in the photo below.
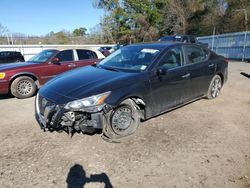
x=156, y=44
x=74, y=48
x=164, y=45
x=9, y=52
x=98, y=53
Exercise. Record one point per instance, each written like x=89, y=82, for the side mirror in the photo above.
x=162, y=71
x=56, y=61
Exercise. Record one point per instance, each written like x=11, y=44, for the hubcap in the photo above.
x=122, y=119
x=24, y=87
x=215, y=91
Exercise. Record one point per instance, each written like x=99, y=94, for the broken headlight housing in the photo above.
x=94, y=103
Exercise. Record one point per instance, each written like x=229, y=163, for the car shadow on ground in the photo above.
x=6, y=96
x=77, y=178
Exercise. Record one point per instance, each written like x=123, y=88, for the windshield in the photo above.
x=132, y=59
x=42, y=56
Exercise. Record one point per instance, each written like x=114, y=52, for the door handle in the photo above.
x=211, y=65
x=71, y=65
x=186, y=75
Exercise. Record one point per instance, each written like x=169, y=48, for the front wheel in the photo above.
x=122, y=121
x=214, y=87
x=23, y=87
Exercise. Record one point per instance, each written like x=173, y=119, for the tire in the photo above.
x=23, y=87
x=122, y=121
x=214, y=87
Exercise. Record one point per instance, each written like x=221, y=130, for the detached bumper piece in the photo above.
x=53, y=117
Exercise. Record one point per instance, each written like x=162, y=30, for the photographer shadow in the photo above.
x=77, y=178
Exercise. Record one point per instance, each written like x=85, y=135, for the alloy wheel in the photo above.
x=24, y=87
x=216, y=87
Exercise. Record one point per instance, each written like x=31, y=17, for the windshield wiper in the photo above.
x=109, y=68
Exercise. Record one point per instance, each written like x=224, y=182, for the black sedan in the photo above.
x=134, y=83
x=11, y=57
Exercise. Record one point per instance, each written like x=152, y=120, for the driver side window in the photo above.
x=173, y=58
x=66, y=55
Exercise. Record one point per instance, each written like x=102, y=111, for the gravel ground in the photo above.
x=203, y=144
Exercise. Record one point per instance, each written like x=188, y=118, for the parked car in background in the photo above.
x=179, y=38
x=182, y=38
x=105, y=50
x=23, y=79
x=10, y=57
x=115, y=47
x=108, y=50
x=134, y=83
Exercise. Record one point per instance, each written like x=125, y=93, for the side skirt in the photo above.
x=174, y=108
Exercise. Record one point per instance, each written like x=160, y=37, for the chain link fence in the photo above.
x=235, y=46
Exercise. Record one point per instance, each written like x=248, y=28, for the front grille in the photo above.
x=43, y=103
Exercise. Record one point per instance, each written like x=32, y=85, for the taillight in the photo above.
x=226, y=61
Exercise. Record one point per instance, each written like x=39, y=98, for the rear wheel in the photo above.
x=122, y=121
x=23, y=87
x=214, y=87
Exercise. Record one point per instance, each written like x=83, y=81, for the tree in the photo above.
x=145, y=18
x=236, y=16
x=176, y=14
x=61, y=37
x=107, y=5
x=107, y=29
x=79, y=32
x=129, y=20
x=95, y=35
x=3, y=30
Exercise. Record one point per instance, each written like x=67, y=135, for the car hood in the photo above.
x=7, y=66
x=85, y=82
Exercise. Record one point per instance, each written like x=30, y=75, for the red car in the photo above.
x=23, y=79
x=105, y=50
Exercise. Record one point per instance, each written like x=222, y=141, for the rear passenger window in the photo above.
x=194, y=54
x=86, y=54
x=66, y=55
x=173, y=58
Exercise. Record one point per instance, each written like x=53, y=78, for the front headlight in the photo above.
x=2, y=75
x=90, y=104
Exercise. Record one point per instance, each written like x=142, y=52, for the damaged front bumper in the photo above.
x=53, y=117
